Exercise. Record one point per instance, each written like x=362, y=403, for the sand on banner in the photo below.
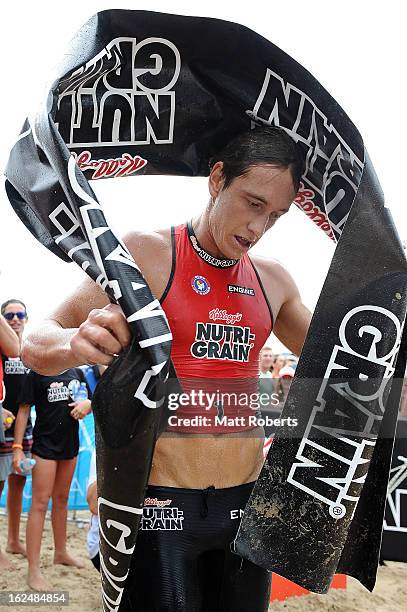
x=390, y=594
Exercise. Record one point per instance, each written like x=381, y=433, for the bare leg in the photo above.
x=5, y=564
x=14, y=504
x=60, y=493
x=42, y=484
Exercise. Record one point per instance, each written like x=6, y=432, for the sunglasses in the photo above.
x=10, y=315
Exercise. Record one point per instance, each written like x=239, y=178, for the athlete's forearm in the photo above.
x=47, y=349
x=92, y=498
x=9, y=341
x=20, y=424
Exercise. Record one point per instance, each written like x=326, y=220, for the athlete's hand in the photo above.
x=18, y=456
x=80, y=409
x=8, y=418
x=104, y=334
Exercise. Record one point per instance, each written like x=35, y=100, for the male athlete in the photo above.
x=221, y=305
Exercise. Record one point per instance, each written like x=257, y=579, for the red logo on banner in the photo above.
x=304, y=200
x=106, y=168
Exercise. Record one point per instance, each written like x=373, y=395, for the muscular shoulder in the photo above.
x=139, y=243
x=275, y=277
x=153, y=254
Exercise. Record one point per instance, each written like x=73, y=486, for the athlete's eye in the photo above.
x=254, y=204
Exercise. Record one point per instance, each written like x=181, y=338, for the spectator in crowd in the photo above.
x=10, y=347
x=278, y=363
x=265, y=362
x=286, y=376
x=92, y=539
x=55, y=449
x=267, y=385
x=291, y=361
x=15, y=313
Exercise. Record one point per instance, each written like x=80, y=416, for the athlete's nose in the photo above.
x=257, y=227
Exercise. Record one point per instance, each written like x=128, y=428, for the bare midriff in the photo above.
x=198, y=461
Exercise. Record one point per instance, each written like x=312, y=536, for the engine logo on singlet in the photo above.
x=200, y=285
x=241, y=290
x=158, y=516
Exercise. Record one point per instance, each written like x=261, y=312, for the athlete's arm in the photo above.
x=9, y=341
x=292, y=317
x=292, y=323
x=85, y=328
x=19, y=429
x=92, y=498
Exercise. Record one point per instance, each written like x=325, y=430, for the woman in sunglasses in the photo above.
x=9, y=349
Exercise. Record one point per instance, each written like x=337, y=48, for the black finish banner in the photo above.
x=394, y=545
x=143, y=93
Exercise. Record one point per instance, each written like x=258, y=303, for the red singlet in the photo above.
x=220, y=318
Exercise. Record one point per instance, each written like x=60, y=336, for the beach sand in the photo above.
x=390, y=594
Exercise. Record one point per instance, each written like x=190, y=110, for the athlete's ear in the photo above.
x=216, y=180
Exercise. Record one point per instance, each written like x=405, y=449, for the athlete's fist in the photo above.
x=104, y=334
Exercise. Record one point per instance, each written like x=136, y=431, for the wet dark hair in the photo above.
x=264, y=145
x=5, y=304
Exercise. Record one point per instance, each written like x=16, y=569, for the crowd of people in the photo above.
x=276, y=372
x=52, y=446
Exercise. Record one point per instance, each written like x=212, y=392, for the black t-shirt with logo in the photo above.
x=15, y=374
x=55, y=431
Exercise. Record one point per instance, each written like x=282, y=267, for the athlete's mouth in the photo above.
x=243, y=242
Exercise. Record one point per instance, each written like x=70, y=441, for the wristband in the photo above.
x=20, y=446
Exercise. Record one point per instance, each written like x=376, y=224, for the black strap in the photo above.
x=216, y=262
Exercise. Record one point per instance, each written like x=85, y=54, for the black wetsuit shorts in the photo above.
x=183, y=560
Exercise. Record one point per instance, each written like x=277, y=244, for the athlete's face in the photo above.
x=16, y=323
x=249, y=207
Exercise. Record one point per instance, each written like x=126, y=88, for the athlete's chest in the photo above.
x=217, y=314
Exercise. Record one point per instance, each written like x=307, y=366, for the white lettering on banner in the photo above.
x=123, y=88
x=115, y=532
x=397, y=498
x=64, y=214
x=333, y=468
x=332, y=169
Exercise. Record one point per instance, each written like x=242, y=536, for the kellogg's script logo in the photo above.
x=106, y=168
x=335, y=451
x=304, y=200
x=223, y=315
x=97, y=102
